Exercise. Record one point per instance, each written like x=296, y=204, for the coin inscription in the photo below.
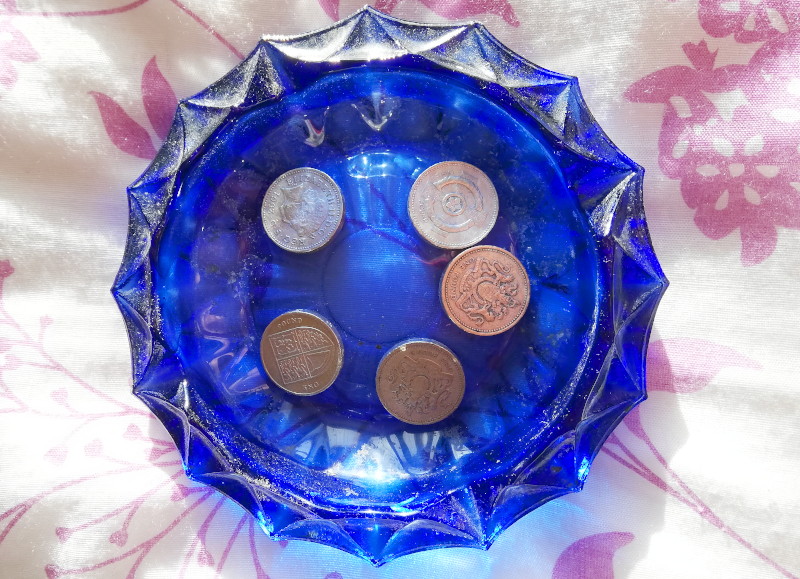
x=301, y=352
x=485, y=290
x=420, y=382
x=453, y=205
x=302, y=210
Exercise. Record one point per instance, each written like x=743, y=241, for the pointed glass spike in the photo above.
x=510, y=70
x=463, y=53
x=419, y=38
x=153, y=198
x=547, y=102
x=199, y=122
x=137, y=246
x=368, y=41
x=319, y=46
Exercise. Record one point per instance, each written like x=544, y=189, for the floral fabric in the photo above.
x=700, y=481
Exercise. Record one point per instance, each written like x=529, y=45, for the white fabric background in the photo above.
x=90, y=485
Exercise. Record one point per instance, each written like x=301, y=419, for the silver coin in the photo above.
x=453, y=205
x=302, y=210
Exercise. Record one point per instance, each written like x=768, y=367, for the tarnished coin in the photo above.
x=301, y=352
x=420, y=382
x=302, y=210
x=485, y=290
x=453, y=205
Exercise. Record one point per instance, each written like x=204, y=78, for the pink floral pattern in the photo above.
x=591, y=557
x=200, y=510
x=331, y=8
x=749, y=20
x=450, y=9
x=159, y=103
x=14, y=48
x=731, y=134
x=681, y=366
x=85, y=409
x=670, y=369
x=461, y=9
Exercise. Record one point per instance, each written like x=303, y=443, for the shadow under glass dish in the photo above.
x=374, y=131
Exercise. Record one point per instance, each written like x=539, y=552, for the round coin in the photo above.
x=302, y=210
x=301, y=352
x=485, y=290
x=453, y=205
x=420, y=382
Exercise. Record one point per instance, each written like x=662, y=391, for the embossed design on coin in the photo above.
x=420, y=382
x=485, y=290
x=301, y=352
x=453, y=205
x=302, y=210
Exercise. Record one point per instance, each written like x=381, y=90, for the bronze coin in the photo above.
x=301, y=352
x=485, y=290
x=420, y=382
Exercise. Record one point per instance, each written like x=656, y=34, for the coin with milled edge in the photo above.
x=301, y=352
x=485, y=290
x=420, y=382
x=453, y=205
x=302, y=210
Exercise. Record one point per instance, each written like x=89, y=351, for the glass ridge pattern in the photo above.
x=292, y=499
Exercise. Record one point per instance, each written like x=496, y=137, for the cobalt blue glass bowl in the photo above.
x=373, y=101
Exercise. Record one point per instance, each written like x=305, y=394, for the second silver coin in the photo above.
x=453, y=205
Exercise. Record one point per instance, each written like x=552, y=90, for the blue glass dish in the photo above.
x=373, y=101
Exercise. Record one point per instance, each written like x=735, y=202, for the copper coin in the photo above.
x=485, y=290
x=453, y=205
x=420, y=382
x=301, y=352
x=302, y=210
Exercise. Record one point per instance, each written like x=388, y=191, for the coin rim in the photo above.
x=324, y=241
x=421, y=341
x=442, y=291
x=339, y=359
x=443, y=245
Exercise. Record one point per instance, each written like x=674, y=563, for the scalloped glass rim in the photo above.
x=607, y=185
